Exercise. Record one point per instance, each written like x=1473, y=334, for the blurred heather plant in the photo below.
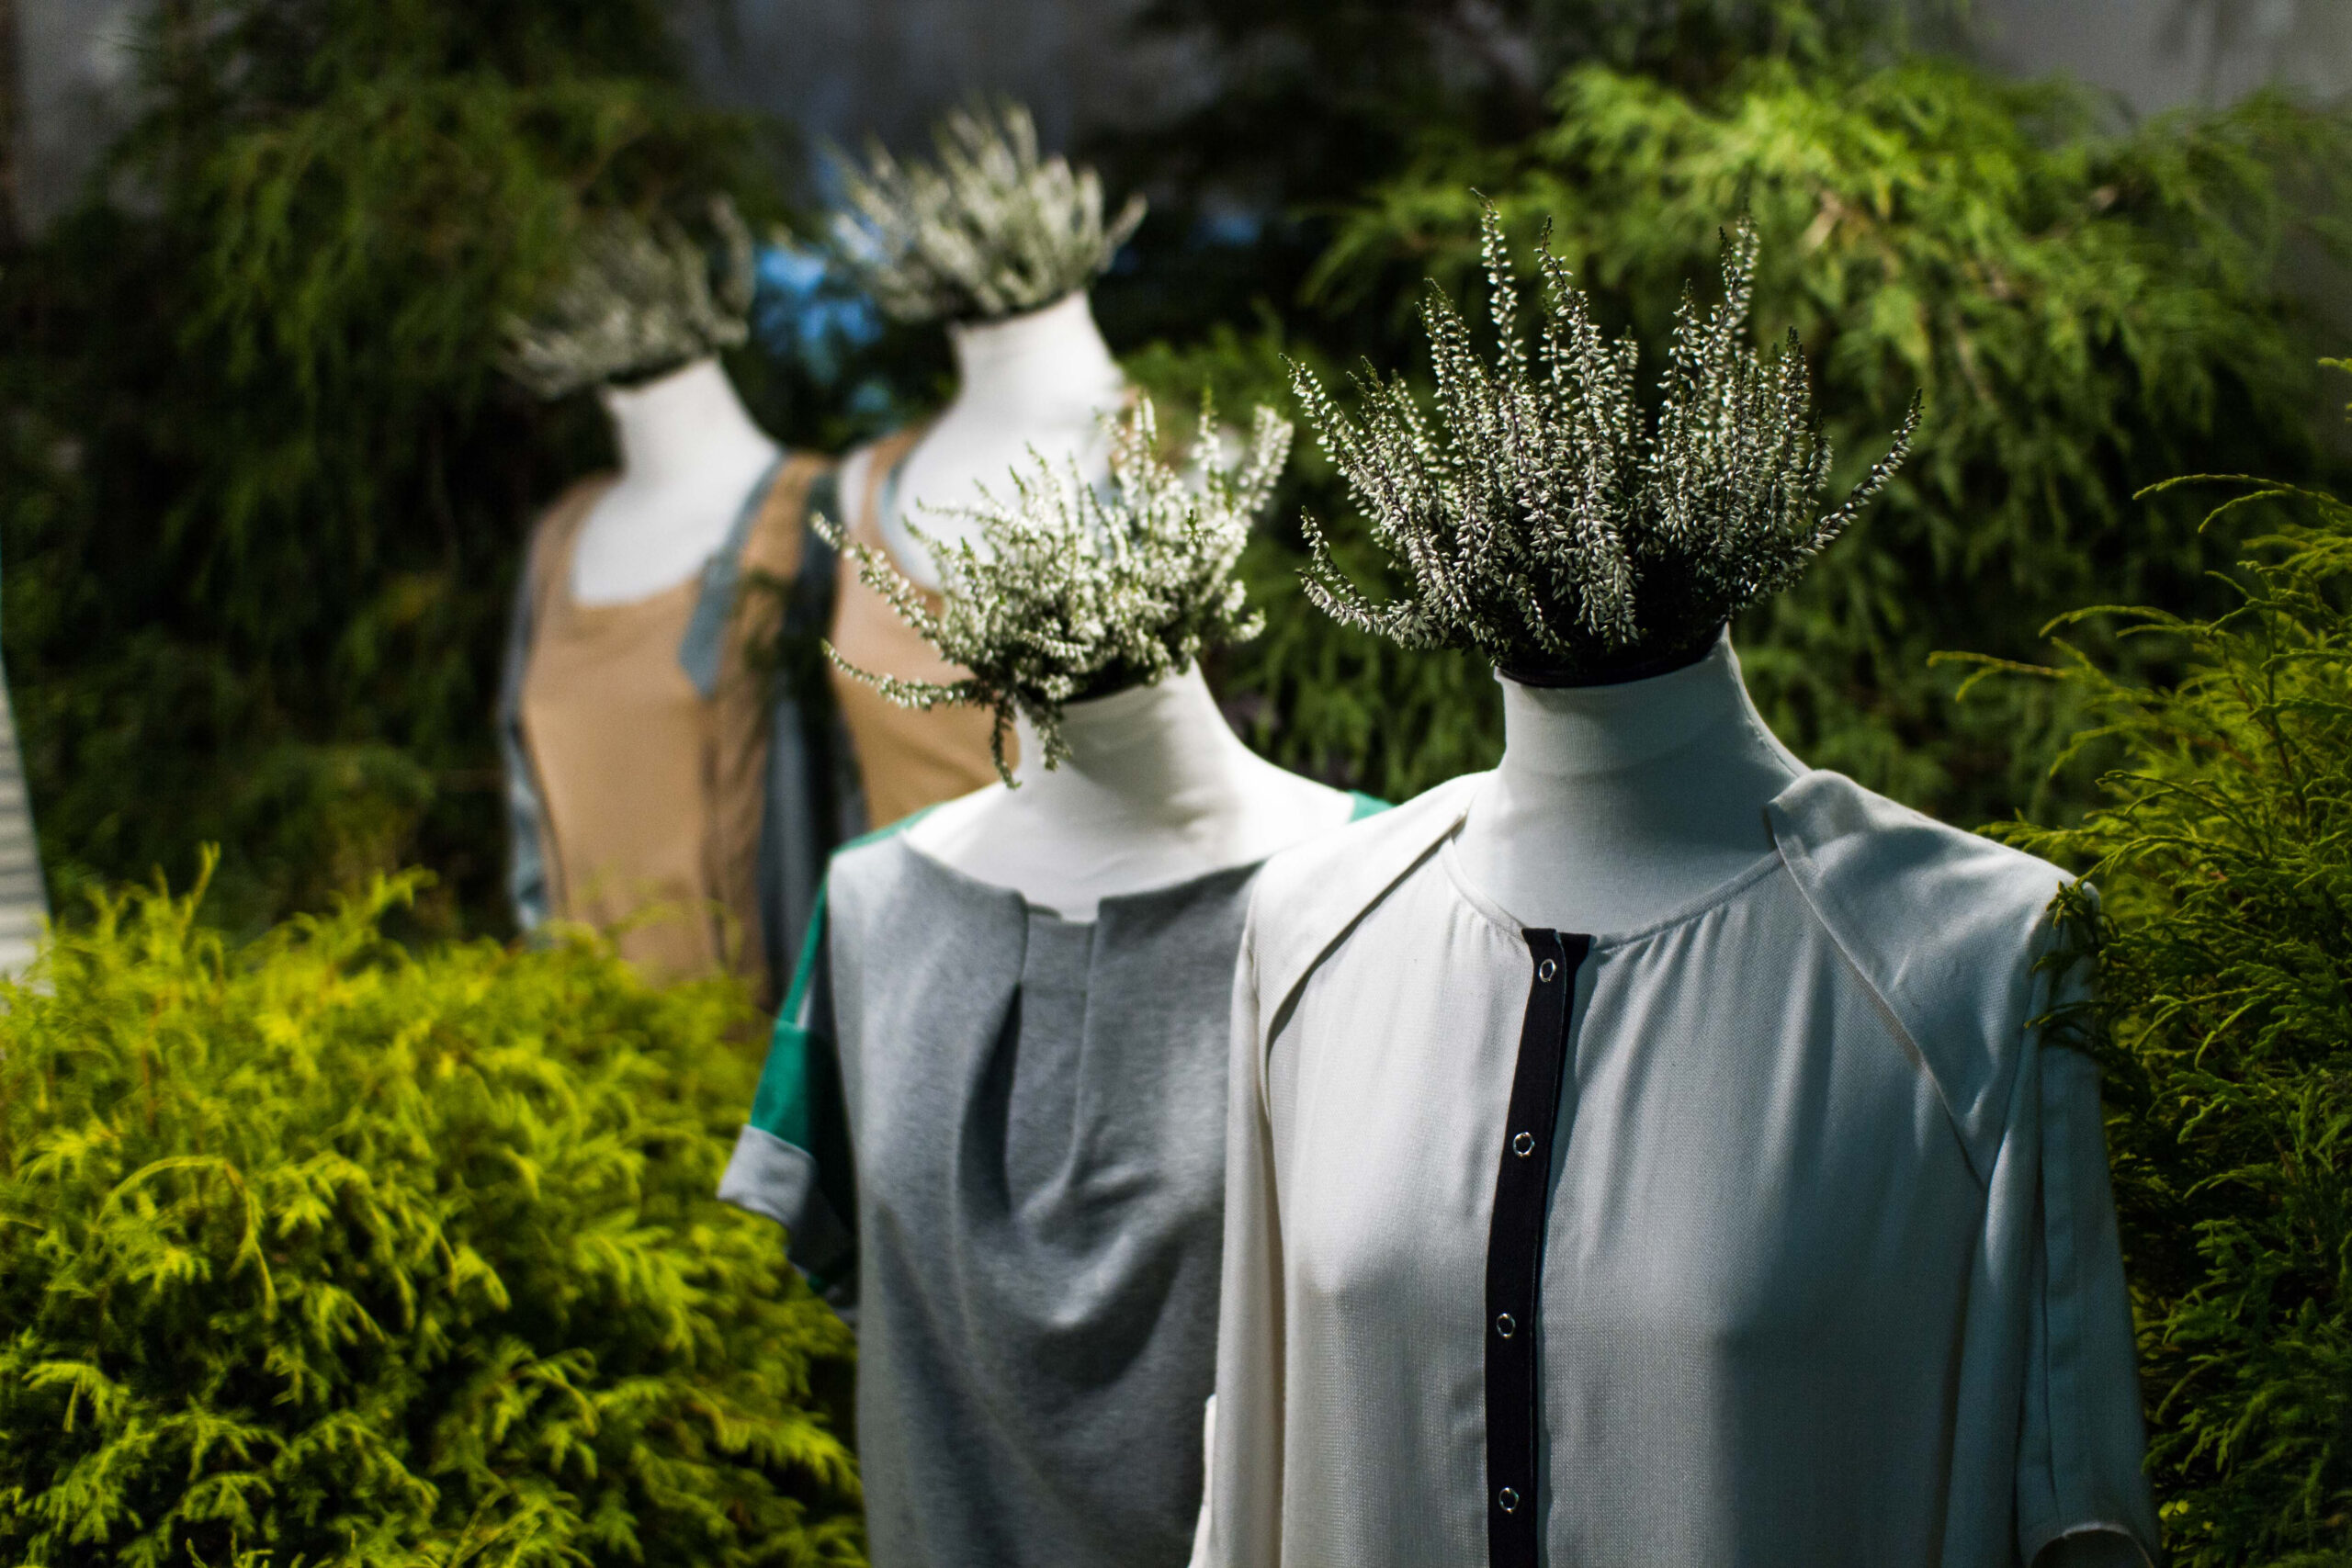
x=1074, y=592
x=639, y=301
x=1538, y=520
x=986, y=229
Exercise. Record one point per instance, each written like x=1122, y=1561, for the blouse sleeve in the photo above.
x=1246, y=1447
x=792, y=1160
x=2083, y=1496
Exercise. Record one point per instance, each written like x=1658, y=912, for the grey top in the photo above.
x=1776, y=1233
x=1033, y=1111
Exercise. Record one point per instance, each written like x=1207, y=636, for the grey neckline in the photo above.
x=973, y=888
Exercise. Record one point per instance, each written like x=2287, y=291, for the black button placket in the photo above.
x=1515, y=1250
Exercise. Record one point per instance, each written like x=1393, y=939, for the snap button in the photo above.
x=1545, y=970
x=1508, y=1499
x=1524, y=1145
x=1504, y=1325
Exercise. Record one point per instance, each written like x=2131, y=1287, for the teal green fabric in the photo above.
x=780, y=1107
x=1366, y=805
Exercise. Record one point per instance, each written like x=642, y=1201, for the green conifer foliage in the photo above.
x=2222, y=846
x=317, y=1252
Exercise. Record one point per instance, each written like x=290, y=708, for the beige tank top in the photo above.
x=652, y=793
x=907, y=758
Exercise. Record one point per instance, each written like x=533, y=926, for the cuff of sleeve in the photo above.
x=2094, y=1542
x=770, y=1177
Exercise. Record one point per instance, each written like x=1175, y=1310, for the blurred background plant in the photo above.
x=263, y=489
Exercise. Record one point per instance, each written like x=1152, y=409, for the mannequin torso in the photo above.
x=1038, y=382
x=1159, y=790
x=690, y=455
x=1616, y=805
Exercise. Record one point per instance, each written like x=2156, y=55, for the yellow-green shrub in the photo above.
x=321, y=1251
x=2222, y=844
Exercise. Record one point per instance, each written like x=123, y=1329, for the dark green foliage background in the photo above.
x=318, y=1251
x=262, y=494
x=2219, y=842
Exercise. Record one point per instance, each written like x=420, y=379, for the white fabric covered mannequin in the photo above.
x=1159, y=790
x=1036, y=383
x=689, y=456
x=1615, y=804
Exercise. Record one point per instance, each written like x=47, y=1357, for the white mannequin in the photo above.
x=1159, y=790
x=1037, y=382
x=1615, y=804
x=690, y=455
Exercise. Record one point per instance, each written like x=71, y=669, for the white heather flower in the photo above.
x=640, y=300
x=1540, y=523
x=986, y=229
x=1074, y=592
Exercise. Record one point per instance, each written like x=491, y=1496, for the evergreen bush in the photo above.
x=2222, y=846
x=316, y=1251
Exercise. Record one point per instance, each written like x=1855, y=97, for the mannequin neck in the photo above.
x=1158, y=751
x=1157, y=791
x=1614, y=805
x=1578, y=737
x=682, y=426
x=1047, y=366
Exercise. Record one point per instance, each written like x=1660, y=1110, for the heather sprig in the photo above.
x=984, y=229
x=1073, y=591
x=638, y=301
x=1541, y=521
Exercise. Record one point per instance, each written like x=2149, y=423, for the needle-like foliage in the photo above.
x=1073, y=592
x=321, y=1251
x=986, y=229
x=1541, y=521
x=638, y=302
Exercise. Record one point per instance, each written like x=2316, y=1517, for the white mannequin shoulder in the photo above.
x=1158, y=791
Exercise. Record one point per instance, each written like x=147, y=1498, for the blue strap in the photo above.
x=700, y=649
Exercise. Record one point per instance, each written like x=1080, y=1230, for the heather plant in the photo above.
x=2221, y=841
x=321, y=1251
x=638, y=301
x=1072, y=592
x=986, y=228
x=1541, y=521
